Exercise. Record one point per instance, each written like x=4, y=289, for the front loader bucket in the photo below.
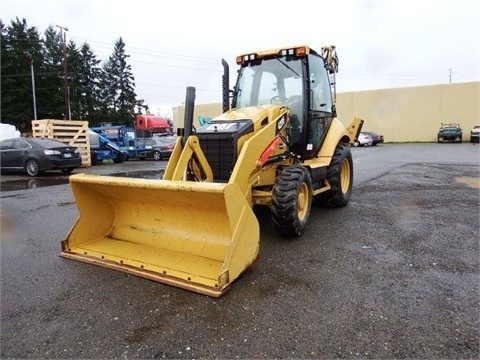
x=198, y=236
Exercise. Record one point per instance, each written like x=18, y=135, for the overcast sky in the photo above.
x=178, y=43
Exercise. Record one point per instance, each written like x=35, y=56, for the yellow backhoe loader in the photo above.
x=278, y=143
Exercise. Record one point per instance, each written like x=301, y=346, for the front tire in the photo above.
x=291, y=201
x=340, y=178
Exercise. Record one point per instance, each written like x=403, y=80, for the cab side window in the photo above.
x=320, y=93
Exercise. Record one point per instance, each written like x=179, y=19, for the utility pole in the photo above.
x=66, y=89
x=30, y=57
x=450, y=76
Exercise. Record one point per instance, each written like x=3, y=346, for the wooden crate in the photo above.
x=70, y=132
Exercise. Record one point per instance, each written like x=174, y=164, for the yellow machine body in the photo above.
x=195, y=229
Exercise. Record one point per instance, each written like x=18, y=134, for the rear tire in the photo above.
x=93, y=158
x=32, y=168
x=119, y=159
x=291, y=201
x=340, y=178
x=157, y=155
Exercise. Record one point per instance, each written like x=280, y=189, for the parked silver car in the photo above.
x=364, y=139
x=376, y=138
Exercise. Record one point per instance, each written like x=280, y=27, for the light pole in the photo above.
x=66, y=90
x=30, y=57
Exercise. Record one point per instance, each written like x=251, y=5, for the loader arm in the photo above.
x=247, y=167
x=182, y=157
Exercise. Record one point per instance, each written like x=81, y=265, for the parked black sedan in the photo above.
x=35, y=155
x=376, y=138
x=157, y=147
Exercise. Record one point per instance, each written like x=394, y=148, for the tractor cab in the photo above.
x=297, y=78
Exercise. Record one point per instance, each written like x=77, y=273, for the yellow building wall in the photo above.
x=412, y=114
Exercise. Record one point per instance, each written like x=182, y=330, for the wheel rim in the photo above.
x=345, y=175
x=302, y=201
x=32, y=168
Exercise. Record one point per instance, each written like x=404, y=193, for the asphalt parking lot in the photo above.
x=395, y=274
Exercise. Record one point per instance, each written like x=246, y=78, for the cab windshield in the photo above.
x=269, y=81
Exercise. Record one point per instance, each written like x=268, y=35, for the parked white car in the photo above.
x=363, y=140
x=475, y=134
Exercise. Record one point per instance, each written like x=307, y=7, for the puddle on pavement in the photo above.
x=157, y=175
x=25, y=184
x=33, y=183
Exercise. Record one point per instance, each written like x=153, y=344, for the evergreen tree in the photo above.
x=95, y=93
x=74, y=60
x=20, y=45
x=108, y=90
x=89, y=74
x=118, y=86
x=53, y=89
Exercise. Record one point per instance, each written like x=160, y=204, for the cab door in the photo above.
x=320, y=104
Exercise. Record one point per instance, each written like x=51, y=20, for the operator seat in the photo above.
x=294, y=104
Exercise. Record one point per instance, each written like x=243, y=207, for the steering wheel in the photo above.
x=275, y=100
